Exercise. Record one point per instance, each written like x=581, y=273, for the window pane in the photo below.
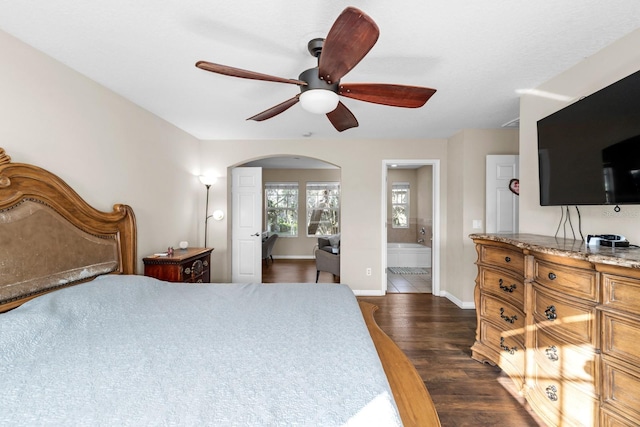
x=323, y=208
x=400, y=205
x=282, y=208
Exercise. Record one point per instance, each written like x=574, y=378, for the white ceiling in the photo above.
x=478, y=55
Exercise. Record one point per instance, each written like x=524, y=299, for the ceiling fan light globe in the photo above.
x=319, y=101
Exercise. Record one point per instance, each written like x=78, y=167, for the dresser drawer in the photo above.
x=560, y=403
x=621, y=387
x=621, y=292
x=509, y=286
x=502, y=258
x=502, y=313
x=559, y=315
x=610, y=418
x=576, y=364
x=577, y=282
x=621, y=337
x=506, y=347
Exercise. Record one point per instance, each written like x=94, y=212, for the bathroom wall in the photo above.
x=420, y=205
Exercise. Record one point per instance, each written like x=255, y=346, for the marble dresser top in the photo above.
x=624, y=257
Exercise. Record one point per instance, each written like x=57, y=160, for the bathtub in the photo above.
x=408, y=255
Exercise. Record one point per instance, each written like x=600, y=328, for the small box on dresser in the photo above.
x=191, y=265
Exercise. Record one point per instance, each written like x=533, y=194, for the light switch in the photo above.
x=477, y=224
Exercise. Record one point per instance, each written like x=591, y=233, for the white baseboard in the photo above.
x=294, y=257
x=466, y=305
x=365, y=293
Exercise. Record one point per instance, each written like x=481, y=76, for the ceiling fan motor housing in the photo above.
x=312, y=77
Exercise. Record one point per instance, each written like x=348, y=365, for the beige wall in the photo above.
x=605, y=67
x=108, y=149
x=361, y=164
x=301, y=246
x=466, y=192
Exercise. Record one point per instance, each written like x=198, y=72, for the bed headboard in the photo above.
x=51, y=238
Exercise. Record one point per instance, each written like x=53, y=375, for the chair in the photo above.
x=326, y=260
x=267, y=248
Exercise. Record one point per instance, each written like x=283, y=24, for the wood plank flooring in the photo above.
x=436, y=335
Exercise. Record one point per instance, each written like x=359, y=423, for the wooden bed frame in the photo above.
x=51, y=238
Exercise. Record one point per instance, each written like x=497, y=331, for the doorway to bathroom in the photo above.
x=411, y=226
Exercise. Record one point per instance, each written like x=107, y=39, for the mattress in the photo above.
x=132, y=350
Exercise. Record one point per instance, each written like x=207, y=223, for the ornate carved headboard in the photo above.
x=51, y=238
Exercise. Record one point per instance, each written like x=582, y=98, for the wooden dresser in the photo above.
x=563, y=321
x=191, y=265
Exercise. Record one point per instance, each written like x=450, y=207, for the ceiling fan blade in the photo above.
x=275, y=110
x=352, y=35
x=387, y=94
x=245, y=74
x=342, y=118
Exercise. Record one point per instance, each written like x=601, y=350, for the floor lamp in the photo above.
x=208, y=181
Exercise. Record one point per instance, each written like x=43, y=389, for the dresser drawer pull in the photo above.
x=205, y=263
x=550, y=312
x=552, y=393
x=507, y=259
x=506, y=318
x=506, y=288
x=552, y=276
x=187, y=270
x=511, y=350
x=552, y=353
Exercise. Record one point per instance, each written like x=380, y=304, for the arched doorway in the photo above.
x=293, y=253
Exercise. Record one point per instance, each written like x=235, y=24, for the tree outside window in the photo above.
x=282, y=208
x=323, y=208
x=400, y=205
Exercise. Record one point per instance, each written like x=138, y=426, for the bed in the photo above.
x=84, y=340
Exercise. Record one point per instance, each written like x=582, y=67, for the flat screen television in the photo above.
x=589, y=152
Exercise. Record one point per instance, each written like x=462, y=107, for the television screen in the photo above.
x=589, y=152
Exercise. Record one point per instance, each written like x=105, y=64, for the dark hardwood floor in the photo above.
x=436, y=335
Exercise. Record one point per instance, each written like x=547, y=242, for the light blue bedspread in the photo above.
x=131, y=350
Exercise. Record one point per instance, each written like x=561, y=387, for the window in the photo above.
x=282, y=208
x=323, y=208
x=400, y=205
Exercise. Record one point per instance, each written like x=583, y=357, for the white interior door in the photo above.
x=246, y=225
x=502, y=203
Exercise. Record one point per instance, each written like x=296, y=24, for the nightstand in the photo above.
x=191, y=265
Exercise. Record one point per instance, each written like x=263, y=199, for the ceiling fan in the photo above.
x=350, y=38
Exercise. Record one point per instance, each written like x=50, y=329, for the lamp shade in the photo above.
x=207, y=180
x=319, y=101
